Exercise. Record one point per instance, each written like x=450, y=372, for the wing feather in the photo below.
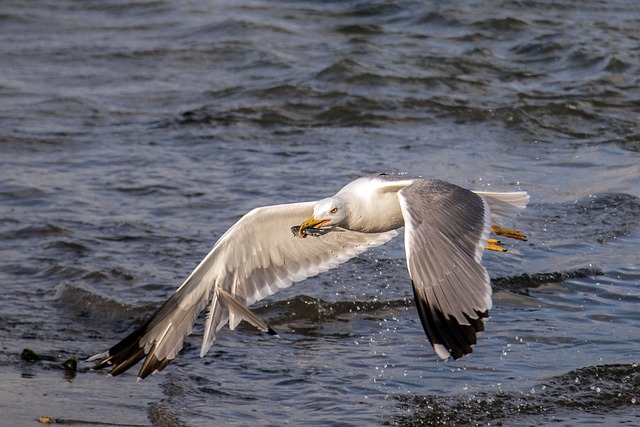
x=255, y=258
x=446, y=230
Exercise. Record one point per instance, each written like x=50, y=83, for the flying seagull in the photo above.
x=446, y=230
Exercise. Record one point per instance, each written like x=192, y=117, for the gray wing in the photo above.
x=446, y=231
x=253, y=259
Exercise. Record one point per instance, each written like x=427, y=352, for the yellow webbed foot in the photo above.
x=492, y=245
x=507, y=232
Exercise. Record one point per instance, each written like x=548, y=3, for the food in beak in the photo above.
x=310, y=227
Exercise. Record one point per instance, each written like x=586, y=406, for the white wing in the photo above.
x=255, y=258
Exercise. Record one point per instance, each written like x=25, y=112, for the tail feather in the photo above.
x=504, y=205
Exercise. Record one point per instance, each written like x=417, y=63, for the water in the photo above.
x=134, y=134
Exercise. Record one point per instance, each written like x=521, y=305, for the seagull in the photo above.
x=446, y=230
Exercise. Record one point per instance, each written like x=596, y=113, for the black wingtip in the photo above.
x=122, y=356
x=129, y=351
x=152, y=365
x=447, y=331
x=126, y=353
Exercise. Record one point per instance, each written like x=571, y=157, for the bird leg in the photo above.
x=494, y=244
x=507, y=232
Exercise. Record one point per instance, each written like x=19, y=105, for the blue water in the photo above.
x=134, y=134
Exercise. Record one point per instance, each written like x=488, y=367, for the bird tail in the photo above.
x=504, y=206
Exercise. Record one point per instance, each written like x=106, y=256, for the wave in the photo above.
x=578, y=394
x=521, y=283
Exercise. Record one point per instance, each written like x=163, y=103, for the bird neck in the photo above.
x=374, y=214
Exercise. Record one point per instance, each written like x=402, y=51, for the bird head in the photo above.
x=327, y=214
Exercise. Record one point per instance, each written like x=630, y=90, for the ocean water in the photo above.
x=134, y=133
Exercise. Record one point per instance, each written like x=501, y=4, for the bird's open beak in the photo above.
x=311, y=222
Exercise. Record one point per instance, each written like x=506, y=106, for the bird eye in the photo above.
x=333, y=210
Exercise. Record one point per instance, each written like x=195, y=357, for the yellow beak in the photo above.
x=311, y=222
